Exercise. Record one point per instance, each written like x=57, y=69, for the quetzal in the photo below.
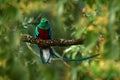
x=44, y=31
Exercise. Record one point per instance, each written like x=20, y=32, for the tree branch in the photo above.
x=53, y=42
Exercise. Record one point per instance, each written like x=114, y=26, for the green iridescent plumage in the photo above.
x=43, y=25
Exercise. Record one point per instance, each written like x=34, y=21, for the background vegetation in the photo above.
x=70, y=19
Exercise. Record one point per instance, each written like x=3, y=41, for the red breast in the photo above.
x=43, y=34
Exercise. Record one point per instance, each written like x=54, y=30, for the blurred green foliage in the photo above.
x=70, y=19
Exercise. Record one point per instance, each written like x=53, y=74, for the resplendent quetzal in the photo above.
x=44, y=31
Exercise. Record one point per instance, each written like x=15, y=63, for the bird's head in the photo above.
x=44, y=23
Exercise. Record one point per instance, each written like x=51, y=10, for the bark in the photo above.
x=53, y=42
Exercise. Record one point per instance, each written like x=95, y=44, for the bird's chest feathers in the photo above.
x=43, y=34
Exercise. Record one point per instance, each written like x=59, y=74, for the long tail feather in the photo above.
x=80, y=59
x=52, y=52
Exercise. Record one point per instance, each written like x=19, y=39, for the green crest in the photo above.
x=44, y=24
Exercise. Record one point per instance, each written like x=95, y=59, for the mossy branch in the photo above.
x=53, y=42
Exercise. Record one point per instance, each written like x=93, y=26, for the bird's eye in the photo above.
x=46, y=22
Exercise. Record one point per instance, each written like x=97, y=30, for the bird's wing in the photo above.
x=36, y=33
x=50, y=33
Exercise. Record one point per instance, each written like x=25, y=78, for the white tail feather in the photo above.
x=46, y=55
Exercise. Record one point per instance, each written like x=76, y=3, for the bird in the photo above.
x=44, y=31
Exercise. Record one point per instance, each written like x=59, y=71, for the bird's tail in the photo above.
x=80, y=59
x=69, y=59
x=45, y=55
x=48, y=53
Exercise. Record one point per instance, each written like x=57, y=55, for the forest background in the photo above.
x=97, y=20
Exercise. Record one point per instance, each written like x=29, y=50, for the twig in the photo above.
x=65, y=63
x=30, y=48
x=35, y=21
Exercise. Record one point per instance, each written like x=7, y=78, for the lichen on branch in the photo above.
x=52, y=42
